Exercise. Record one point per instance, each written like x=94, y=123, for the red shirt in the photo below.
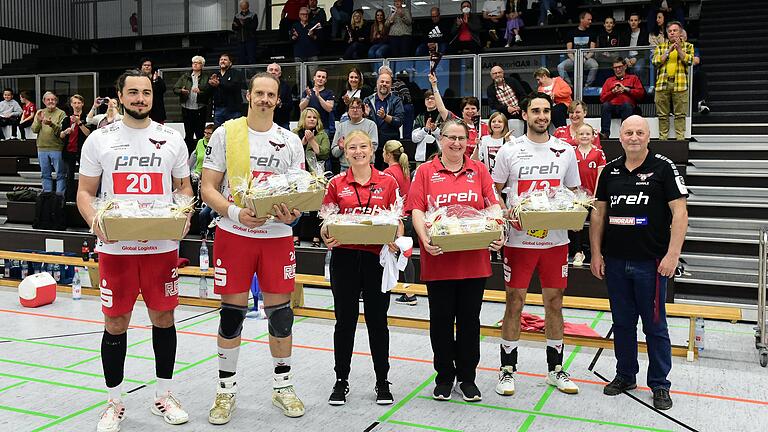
x=473, y=139
x=28, y=110
x=403, y=182
x=588, y=166
x=379, y=193
x=435, y=186
x=291, y=8
x=632, y=82
x=563, y=133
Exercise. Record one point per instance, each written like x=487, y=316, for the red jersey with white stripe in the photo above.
x=526, y=166
x=436, y=186
x=136, y=164
x=563, y=133
x=272, y=152
x=589, y=164
x=378, y=194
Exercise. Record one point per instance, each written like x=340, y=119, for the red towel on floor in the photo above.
x=531, y=322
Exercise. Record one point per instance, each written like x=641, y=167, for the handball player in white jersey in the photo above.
x=247, y=243
x=146, y=161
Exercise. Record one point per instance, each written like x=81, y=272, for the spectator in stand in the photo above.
x=321, y=99
x=158, y=91
x=196, y=158
x=111, y=115
x=608, y=37
x=670, y=8
x=194, y=97
x=489, y=145
x=400, y=30
x=470, y=115
x=505, y=97
x=401, y=89
x=74, y=131
x=577, y=110
x=317, y=149
x=304, y=36
x=341, y=12
x=357, y=121
x=560, y=92
x=357, y=36
x=494, y=21
x=317, y=16
x=356, y=88
x=635, y=37
x=658, y=33
x=289, y=16
x=386, y=109
x=620, y=95
x=227, y=96
x=591, y=162
x=435, y=33
x=133, y=20
x=10, y=114
x=28, y=110
x=700, y=82
x=285, y=103
x=47, y=126
x=379, y=36
x=514, y=13
x=466, y=31
x=580, y=38
x=545, y=11
x=245, y=25
x=672, y=60
x=426, y=134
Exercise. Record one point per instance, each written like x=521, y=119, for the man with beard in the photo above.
x=505, y=97
x=385, y=108
x=248, y=243
x=141, y=160
x=285, y=106
x=535, y=161
x=227, y=98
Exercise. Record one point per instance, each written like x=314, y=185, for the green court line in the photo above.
x=20, y=383
x=69, y=416
x=28, y=412
x=58, y=369
x=406, y=399
x=421, y=426
x=53, y=383
x=556, y=416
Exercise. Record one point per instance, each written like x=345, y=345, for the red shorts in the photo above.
x=123, y=277
x=551, y=263
x=237, y=258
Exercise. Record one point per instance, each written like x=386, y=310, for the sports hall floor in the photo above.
x=51, y=377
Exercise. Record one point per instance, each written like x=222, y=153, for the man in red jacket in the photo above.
x=619, y=96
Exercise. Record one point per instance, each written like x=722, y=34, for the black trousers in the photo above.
x=353, y=271
x=459, y=301
x=559, y=115
x=194, y=125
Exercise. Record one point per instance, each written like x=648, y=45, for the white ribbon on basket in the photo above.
x=393, y=264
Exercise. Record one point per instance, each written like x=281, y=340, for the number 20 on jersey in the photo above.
x=130, y=183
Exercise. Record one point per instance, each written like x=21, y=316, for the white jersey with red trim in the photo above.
x=135, y=164
x=526, y=166
x=272, y=152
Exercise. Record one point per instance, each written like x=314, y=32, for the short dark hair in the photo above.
x=356, y=101
x=326, y=72
x=583, y=14
x=677, y=23
x=610, y=18
x=262, y=75
x=428, y=94
x=120, y=85
x=535, y=95
x=469, y=100
x=619, y=60
x=227, y=55
x=637, y=14
x=146, y=59
x=8, y=89
x=26, y=94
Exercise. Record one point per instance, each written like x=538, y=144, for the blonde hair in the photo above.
x=303, y=118
x=575, y=104
x=198, y=59
x=355, y=134
x=503, y=117
x=359, y=24
x=586, y=125
x=395, y=148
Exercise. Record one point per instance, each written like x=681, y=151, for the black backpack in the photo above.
x=49, y=212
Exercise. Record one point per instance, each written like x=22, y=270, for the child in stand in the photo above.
x=591, y=162
x=514, y=12
x=489, y=145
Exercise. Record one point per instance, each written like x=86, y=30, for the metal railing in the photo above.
x=762, y=267
x=63, y=85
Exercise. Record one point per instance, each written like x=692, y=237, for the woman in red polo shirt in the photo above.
x=361, y=189
x=455, y=280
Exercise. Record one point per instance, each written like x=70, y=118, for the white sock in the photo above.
x=281, y=361
x=509, y=345
x=162, y=387
x=228, y=359
x=556, y=344
x=115, y=393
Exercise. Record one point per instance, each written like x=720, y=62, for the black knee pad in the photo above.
x=280, y=318
x=231, y=322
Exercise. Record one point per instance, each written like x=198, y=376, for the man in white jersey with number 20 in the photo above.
x=247, y=243
x=146, y=161
x=535, y=161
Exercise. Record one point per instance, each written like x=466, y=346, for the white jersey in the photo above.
x=526, y=166
x=274, y=151
x=487, y=150
x=135, y=164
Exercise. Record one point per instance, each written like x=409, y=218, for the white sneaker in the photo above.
x=560, y=379
x=168, y=407
x=224, y=404
x=111, y=417
x=518, y=38
x=506, y=385
x=578, y=259
x=284, y=396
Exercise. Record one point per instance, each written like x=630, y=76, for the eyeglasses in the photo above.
x=458, y=138
x=355, y=107
x=619, y=67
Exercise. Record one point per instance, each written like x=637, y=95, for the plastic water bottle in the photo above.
x=699, y=332
x=203, y=288
x=328, y=266
x=204, y=260
x=57, y=272
x=77, y=289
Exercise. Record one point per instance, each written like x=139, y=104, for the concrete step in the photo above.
x=717, y=235
x=725, y=192
x=720, y=172
x=717, y=261
x=734, y=142
x=727, y=223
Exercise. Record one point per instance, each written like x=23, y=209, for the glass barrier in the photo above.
x=597, y=67
x=172, y=102
x=85, y=84
x=19, y=83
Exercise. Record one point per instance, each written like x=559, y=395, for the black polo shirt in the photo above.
x=638, y=222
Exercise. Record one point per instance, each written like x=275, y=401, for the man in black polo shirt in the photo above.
x=637, y=232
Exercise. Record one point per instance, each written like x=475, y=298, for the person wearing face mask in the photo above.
x=466, y=31
x=74, y=131
x=470, y=115
x=47, y=126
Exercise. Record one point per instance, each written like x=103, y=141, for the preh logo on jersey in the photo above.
x=157, y=143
